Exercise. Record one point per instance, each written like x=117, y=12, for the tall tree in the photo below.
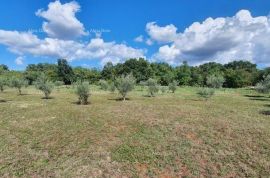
x=65, y=72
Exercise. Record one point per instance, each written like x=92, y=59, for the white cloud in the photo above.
x=161, y=34
x=19, y=60
x=221, y=40
x=97, y=48
x=61, y=20
x=139, y=39
x=62, y=29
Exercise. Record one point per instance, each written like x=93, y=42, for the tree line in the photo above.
x=235, y=74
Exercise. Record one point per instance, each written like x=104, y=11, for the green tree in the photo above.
x=183, y=74
x=108, y=72
x=264, y=85
x=124, y=85
x=65, y=72
x=152, y=87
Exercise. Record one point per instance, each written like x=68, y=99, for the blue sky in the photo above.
x=169, y=31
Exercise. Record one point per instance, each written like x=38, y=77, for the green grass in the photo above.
x=170, y=135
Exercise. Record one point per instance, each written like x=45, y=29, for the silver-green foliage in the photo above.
x=215, y=81
x=206, y=93
x=152, y=86
x=3, y=83
x=44, y=85
x=125, y=84
x=163, y=89
x=104, y=85
x=18, y=83
x=83, y=92
x=264, y=85
x=173, y=86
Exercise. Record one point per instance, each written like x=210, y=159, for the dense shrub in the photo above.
x=44, y=85
x=83, y=92
x=173, y=86
x=206, y=93
x=152, y=86
x=103, y=85
x=18, y=83
x=125, y=84
x=215, y=81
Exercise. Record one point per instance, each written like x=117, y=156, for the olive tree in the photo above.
x=83, y=92
x=264, y=85
x=173, y=86
x=44, y=85
x=163, y=89
x=104, y=85
x=58, y=84
x=125, y=84
x=18, y=83
x=215, y=81
x=206, y=93
x=152, y=86
x=112, y=87
x=3, y=83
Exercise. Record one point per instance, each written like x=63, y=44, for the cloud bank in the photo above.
x=220, y=40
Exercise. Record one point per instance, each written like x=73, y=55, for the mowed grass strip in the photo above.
x=170, y=135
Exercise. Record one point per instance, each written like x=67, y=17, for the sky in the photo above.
x=90, y=33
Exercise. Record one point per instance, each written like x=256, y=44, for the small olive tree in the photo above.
x=124, y=85
x=104, y=85
x=83, y=92
x=152, y=87
x=173, y=86
x=264, y=85
x=112, y=87
x=44, y=85
x=206, y=93
x=18, y=83
x=163, y=89
x=215, y=81
x=3, y=83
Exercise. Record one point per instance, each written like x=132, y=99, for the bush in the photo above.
x=124, y=85
x=173, y=86
x=163, y=89
x=152, y=86
x=214, y=81
x=83, y=92
x=18, y=83
x=103, y=85
x=206, y=93
x=44, y=85
x=142, y=84
x=3, y=83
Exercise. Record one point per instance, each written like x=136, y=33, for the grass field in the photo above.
x=170, y=135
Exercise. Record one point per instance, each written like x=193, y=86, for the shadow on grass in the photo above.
x=118, y=99
x=260, y=99
x=3, y=101
x=254, y=96
x=78, y=103
x=266, y=105
x=265, y=112
x=49, y=98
